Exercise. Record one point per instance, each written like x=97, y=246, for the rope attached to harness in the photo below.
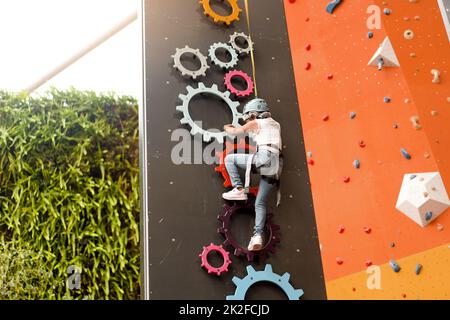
x=252, y=56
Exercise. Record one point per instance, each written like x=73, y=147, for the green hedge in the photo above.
x=69, y=189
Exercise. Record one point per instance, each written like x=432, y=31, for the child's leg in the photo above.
x=233, y=162
x=261, y=205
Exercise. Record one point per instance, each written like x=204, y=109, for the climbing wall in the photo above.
x=364, y=129
x=185, y=200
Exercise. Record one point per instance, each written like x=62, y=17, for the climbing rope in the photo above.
x=252, y=56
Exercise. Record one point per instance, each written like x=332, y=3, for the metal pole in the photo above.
x=88, y=48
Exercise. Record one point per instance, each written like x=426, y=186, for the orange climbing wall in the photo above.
x=339, y=82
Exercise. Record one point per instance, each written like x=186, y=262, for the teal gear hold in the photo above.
x=253, y=276
x=256, y=105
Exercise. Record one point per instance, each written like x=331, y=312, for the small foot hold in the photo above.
x=333, y=5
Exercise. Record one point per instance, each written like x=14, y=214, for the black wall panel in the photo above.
x=184, y=200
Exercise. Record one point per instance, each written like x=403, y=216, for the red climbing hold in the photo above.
x=311, y=162
x=291, y=1
x=307, y=19
x=339, y=261
x=346, y=179
x=341, y=229
x=368, y=263
x=330, y=76
x=362, y=144
x=308, y=47
x=326, y=117
x=367, y=230
x=308, y=66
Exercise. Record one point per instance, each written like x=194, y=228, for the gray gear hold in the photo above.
x=195, y=128
x=185, y=71
x=224, y=65
x=239, y=49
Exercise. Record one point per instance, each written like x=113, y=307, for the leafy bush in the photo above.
x=22, y=275
x=69, y=188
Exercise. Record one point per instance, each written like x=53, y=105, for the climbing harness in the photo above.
x=239, y=74
x=253, y=276
x=209, y=12
x=225, y=65
x=195, y=128
x=185, y=71
x=230, y=241
x=225, y=255
x=273, y=178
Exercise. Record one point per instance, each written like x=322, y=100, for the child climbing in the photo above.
x=266, y=132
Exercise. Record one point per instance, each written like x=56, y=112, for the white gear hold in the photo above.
x=224, y=65
x=208, y=135
x=423, y=197
x=185, y=71
x=239, y=49
x=385, y=56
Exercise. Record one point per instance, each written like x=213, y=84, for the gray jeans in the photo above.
x=261, y=160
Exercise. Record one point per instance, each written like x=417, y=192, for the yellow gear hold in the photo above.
x=234, y=16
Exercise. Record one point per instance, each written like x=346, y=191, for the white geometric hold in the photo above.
x=423, y=197
x=385, y=56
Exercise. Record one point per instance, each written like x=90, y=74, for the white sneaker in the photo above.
x=235, y=194
x=256, y=243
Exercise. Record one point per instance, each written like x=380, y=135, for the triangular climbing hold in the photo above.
x=385, y=56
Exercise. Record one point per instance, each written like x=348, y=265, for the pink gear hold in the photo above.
x=210, y=268
x=240, y=74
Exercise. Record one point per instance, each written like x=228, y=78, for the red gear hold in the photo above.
x=229, y=149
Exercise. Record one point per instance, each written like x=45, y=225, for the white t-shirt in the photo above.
x=268, y=133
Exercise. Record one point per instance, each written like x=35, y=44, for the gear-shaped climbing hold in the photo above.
x=225, y=65
x=195, y=128
x=253, y=276
x=233, y=148
x=234, y=16
x=237, y=47
x=225, y=230
x=225, y=255
x=239, y=74
x=185, y=71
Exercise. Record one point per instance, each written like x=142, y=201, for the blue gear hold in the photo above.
x=253, y=276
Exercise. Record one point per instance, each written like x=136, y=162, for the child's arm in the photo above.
x=249, y=126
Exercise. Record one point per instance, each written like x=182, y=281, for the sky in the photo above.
x=37, y=35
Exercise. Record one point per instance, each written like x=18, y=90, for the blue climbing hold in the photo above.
x=418, y=268
x=394, y=265
x=356, y=164
x=387, y=99
x=405, y=154
x=352, y=115
x=370, y=35
x=333, y=5
x=428, y=215
x=387, y=11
